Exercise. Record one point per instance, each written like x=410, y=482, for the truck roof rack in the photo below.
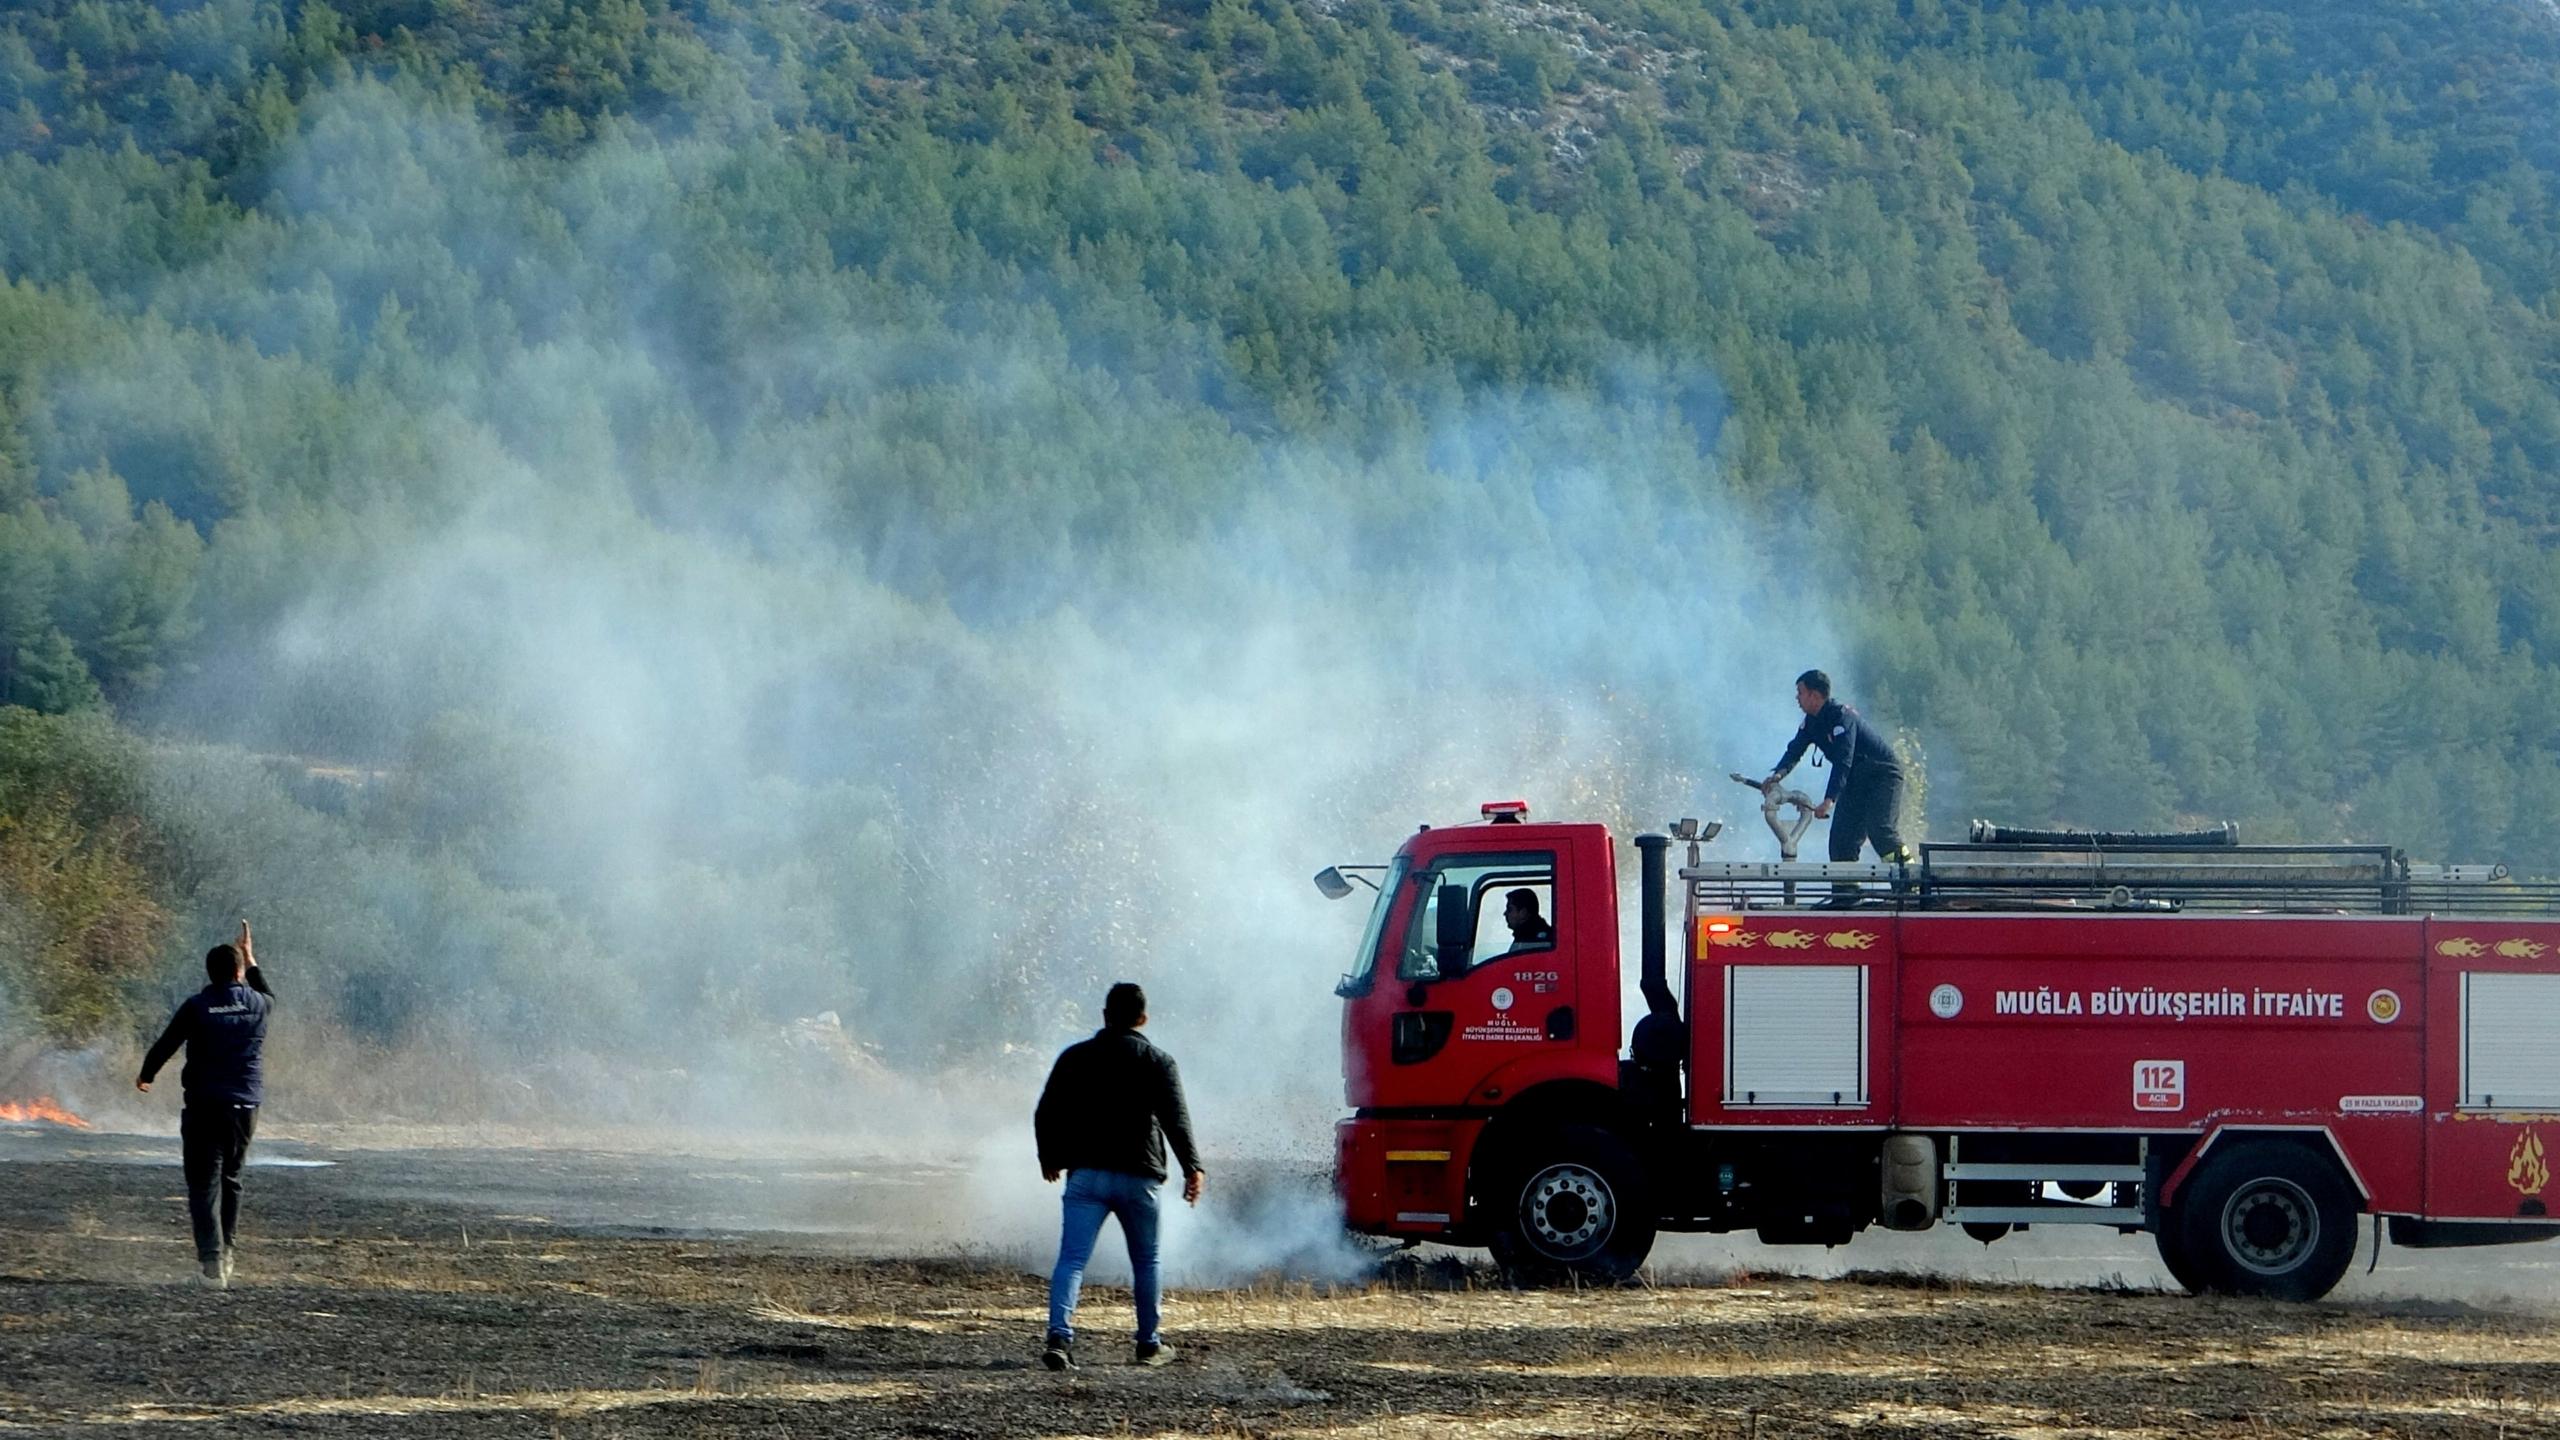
x=2007, y=875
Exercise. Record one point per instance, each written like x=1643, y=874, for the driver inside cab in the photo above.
x=1529, y=929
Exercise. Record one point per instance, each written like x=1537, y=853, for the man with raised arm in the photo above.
x=224, y=1029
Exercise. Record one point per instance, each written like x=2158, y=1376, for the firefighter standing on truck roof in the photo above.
x=1866, y=777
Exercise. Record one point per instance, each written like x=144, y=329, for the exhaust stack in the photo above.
x=1655, y=889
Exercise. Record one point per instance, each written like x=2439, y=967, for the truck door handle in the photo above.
x=1560, y=1023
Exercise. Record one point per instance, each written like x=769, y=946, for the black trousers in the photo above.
x=215, y=1140
x=1867, y=814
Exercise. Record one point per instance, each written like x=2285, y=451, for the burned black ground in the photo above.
x=374, y=1301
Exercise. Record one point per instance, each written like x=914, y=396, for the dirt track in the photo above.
x=386, y=1307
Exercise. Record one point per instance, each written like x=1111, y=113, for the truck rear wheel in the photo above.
x=2174, y=1254
x=1573, y=1205
x=2269, y=1219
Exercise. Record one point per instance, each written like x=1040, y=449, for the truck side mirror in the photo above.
x=1457, y=937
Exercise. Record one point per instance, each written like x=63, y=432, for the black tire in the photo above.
x=2267, y=1218
x=1573, y=1204
x=1994, y=1192
x=2174, y=1254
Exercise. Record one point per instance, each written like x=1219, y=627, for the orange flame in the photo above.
x=40, y=1109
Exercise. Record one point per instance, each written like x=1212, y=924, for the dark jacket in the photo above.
x=224, y=1027
x=1853, y=747
x=1105, y=1103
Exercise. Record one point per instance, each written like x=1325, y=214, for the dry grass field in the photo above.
x=359, y=1314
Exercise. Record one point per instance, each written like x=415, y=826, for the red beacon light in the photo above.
x=1504, y=812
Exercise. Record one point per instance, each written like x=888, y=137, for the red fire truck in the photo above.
x=2240, y=1049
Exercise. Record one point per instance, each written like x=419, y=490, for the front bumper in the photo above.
x=1406, y=1178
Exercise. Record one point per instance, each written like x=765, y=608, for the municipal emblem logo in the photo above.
x=1946, y=1002
x=2383, y=1006
x=2527, y=1170
x=1502, y=998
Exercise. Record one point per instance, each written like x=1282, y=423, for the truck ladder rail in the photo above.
x=2316, y=879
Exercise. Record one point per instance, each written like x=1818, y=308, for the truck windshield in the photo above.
x=1364, y=961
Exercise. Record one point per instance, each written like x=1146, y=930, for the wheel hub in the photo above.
x=2269, y=1226
x=1568, y=1210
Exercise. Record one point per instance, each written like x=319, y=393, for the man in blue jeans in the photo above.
x=1111, y=1104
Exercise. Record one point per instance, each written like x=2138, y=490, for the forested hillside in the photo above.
x=609, y=507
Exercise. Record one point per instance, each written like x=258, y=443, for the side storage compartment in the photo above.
x=2493, y=1084
x=1791, y=1023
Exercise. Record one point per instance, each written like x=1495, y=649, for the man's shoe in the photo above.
x=1152, y=1355
x=214, y=1278
x=228, y=1265
x=1057, y=1355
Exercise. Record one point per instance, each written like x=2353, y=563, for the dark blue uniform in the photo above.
x=224, y=1027
x=1866, y=779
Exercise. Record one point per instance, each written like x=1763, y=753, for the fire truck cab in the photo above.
x=2239, y=1049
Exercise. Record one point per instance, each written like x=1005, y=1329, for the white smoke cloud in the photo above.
x=682, y=729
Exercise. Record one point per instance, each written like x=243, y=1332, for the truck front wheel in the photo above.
x=2267, y=1218
x=1573, y=1205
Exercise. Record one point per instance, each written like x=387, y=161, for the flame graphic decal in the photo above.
x=2527, y=1170
x=1849, y=939
x=1739, y=939
x=1791, y=940
x=2522, y=949
x=2462, y=949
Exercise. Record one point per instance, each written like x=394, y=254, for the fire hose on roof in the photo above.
x=2219, y=837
